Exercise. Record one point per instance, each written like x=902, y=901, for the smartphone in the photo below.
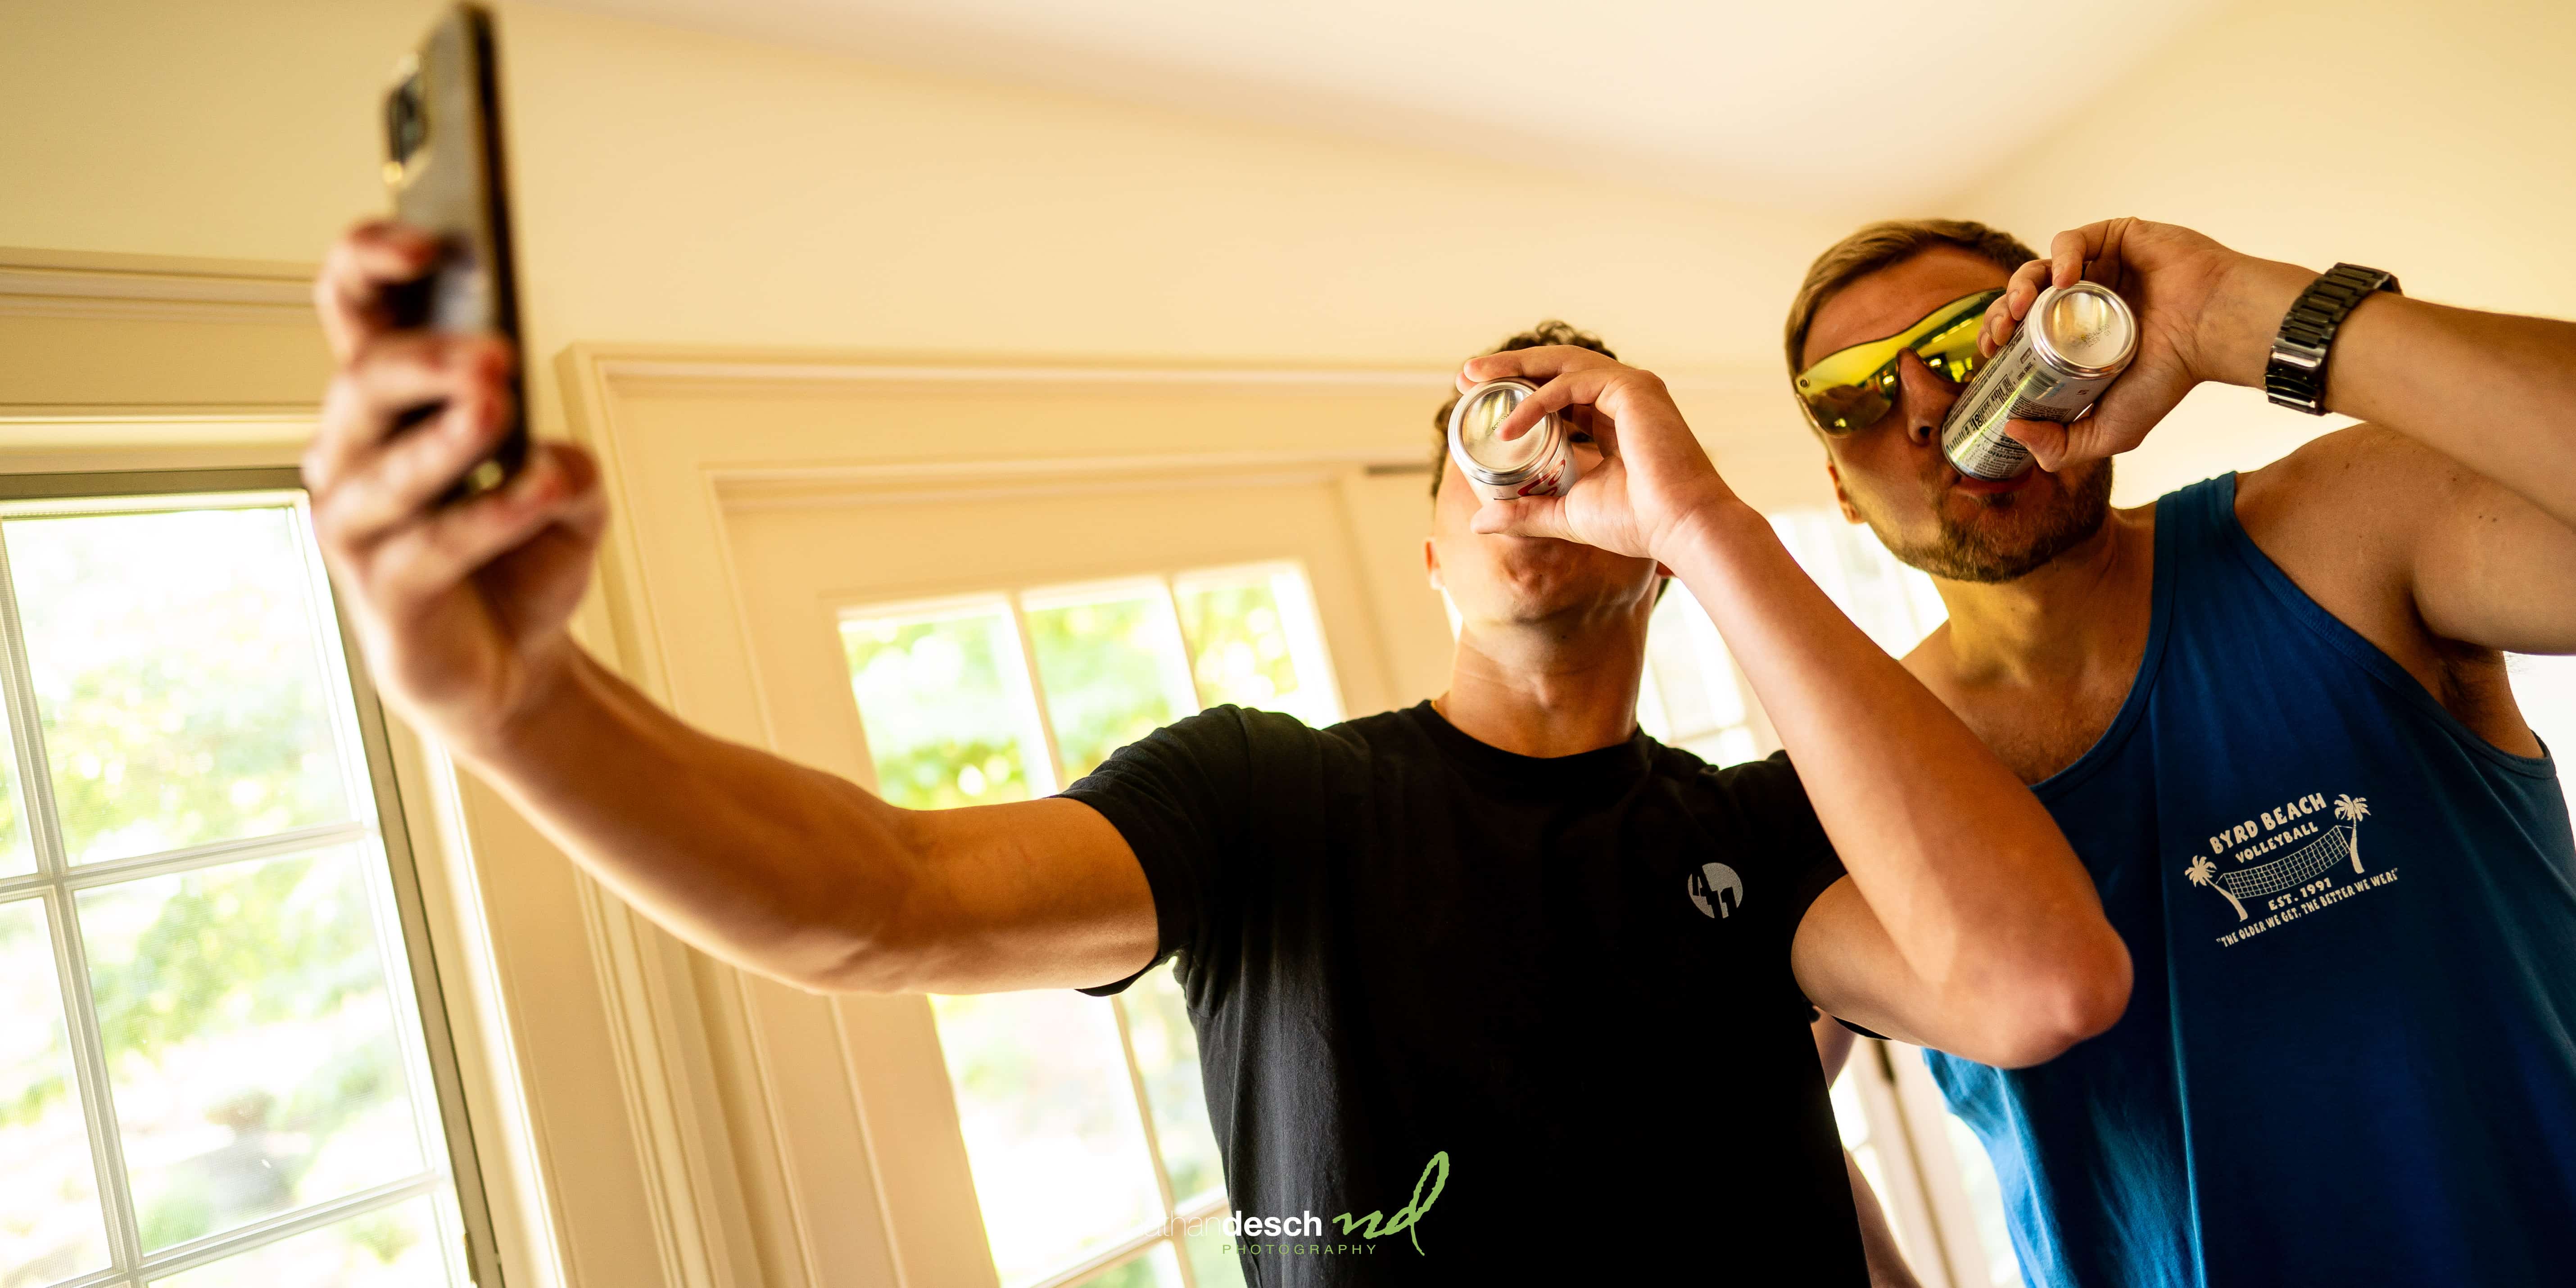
x=442, y=122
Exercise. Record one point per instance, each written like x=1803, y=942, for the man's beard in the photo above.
x=1980, y=553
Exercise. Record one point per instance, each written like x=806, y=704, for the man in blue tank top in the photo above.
x=2270, y=710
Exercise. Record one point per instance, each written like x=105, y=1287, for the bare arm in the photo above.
x=1887, y=1268
x=2471, y=518
x=1966, y=923
x=2449, y=555
x=781, y=869
x=805, y=876
x=2474, y=485
x=2492, y=391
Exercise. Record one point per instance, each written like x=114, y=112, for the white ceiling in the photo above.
x=1878, y=106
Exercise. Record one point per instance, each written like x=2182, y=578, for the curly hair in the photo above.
x=1551, y=331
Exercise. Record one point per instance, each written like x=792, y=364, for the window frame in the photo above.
x=55, y=882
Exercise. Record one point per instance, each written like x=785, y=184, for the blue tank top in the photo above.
x=2350, y=1053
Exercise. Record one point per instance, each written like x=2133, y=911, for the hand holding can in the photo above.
x=2076, y=341
x=1633, y=478
x=1538, y=463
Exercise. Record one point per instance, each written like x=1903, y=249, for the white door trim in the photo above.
x=671, y=618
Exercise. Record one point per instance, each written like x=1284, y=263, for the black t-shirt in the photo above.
x=1566, y=978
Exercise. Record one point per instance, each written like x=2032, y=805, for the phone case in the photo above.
x=444, y=164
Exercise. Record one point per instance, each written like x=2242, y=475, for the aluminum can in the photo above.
x=1538, y=463
x=2074, y=343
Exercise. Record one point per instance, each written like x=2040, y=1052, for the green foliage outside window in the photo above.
x=1107, y=673
x=940, y=700
x=177, y=673
x=1238, y=651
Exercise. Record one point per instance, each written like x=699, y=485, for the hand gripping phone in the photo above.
x=442, y=122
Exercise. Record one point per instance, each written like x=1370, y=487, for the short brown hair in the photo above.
x=1883, y=244
x=1544, y=334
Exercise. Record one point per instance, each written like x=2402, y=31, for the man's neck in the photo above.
x=1543, y=689
x=2060, y=621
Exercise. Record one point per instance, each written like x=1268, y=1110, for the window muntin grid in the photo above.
x=421, y=1219
x=1012, y=694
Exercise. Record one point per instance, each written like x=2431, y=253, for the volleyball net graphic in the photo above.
x=2291, y=870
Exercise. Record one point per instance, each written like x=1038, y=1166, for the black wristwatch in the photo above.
x=2296, y=376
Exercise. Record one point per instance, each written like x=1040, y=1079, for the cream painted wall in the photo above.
x=2429, y=139
x=233, y=130
x=681, y=188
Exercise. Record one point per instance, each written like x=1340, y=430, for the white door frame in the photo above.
x=798, y=1140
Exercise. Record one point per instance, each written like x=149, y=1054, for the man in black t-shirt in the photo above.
x=1491, y=989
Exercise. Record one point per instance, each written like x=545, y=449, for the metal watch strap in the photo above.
x=2296, y=375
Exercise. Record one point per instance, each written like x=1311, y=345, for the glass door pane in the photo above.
x=1690, y=697
x=1044, y=1098
x=1109, y=659
x=944, y=697
x=1167, y=1059
x=1254, y=641
x=1157, y=1268
x=1058, y=1152
x=1211, y=1262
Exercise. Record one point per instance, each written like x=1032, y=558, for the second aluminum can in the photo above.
x=2075, y=342
x=1538, y=463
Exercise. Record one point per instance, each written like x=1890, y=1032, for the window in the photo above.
x=217, y=1023
x=1691, y=696
x=1892, y=604
x=1084, y=1118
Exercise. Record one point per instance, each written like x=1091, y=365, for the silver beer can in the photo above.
x=1538, y=463
x=2075, y=341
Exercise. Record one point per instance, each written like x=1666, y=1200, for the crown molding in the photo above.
x=153, y=288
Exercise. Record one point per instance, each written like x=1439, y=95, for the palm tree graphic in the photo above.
x=2353, y=809
x=2200, y=871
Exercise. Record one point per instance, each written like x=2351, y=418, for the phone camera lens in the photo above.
x=406, y=125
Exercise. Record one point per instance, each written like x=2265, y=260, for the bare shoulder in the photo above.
x=2341, y=513
x=2361, y=490
x=2346, y=517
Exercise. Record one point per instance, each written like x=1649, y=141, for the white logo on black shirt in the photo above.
x=1716, y=890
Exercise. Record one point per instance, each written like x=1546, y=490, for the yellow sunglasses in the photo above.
x=1849, y=389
